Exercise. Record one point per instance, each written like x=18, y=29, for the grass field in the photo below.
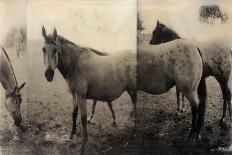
x=47, y=109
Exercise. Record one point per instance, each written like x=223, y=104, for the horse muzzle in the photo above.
x=17, y=120
x=49, y=74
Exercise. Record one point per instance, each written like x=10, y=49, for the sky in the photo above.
x=108, y=25
x=13, y=14
x=183, y=17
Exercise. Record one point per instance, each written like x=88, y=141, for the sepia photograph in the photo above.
x=115, y=77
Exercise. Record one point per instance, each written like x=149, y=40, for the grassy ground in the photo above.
x=47, y=108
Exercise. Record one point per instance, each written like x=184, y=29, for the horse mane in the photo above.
x=4, y=51
x=63, y=40
x=8, y=59
x=169, y=31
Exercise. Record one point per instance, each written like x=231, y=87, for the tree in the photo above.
x=16, y=39
x=139, y=29
x=139, y=24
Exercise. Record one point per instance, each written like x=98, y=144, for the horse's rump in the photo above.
x=216, y=55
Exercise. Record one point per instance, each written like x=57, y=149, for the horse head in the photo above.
x=157, y=33
x=13, y=102
x=50, y=52
x=162, y=34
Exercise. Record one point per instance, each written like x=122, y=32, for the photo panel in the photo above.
x=167, y=31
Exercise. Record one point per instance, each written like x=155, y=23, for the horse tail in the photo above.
x=98, y=52
x=202, y=95
x=199, y=51
x=202, y=85
x=230, y=52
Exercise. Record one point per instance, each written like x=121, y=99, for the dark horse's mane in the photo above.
x=50, y=39
x=5, y=53
x=169, y=31
x=166, y=34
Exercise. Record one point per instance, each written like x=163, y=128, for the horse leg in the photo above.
x=183, y=104
x=227, y=99
x=202, y=94
x=133, y=96
x=178, y=101
x=82, y=105
x=74, y=118
x=93, y=110
x=112, y=111
x=194, y=103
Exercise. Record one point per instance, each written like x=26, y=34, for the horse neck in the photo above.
x=68, y=56
x=7, y=76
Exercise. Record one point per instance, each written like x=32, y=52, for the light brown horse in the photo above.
x=179, y=62
x=217, y=59
x=89, y=74
x=12, y=90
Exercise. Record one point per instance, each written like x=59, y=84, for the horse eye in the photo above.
x=44, y=49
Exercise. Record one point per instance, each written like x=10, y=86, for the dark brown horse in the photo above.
x=216, y=55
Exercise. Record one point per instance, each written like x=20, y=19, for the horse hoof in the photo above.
x=89, y=120
x=177, y=113
x=182, y=110
x=114, y=124
x=132, y=114
x=16, y=138
x=222, y=124
x=71, y=136
x=198, y=137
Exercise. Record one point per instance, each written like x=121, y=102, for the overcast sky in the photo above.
x=183, y=17
x=12, y=15
x=108, y=25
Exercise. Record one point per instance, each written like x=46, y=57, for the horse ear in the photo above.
x=55, y=34
x=44, y=33
x=157, y=22
x=22, y=85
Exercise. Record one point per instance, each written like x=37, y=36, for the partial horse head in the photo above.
x=162, y=34
x=13, y=102
x=50, y=52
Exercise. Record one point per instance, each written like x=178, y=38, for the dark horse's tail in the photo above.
x=202, y=95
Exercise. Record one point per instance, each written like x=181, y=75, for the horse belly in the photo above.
x=107, y=88
x=105, y=93
x=153, y=79
x=155, y=86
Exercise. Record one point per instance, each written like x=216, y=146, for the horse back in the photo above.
x=106, y=77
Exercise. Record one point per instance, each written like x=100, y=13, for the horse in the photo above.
x=179, y=62
x=12, y=90
x=217, y=59
x=89, y=74
x=167, y=36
